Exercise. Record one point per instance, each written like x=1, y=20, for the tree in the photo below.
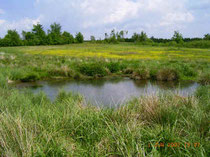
x=54, y=34
x=67, y=38
x=106, y=37
x=29, y=38
x=207, y=37
x=12, y=38
x=92, y=38
x=79, y=38
x=177, y=37
x=40, y=35
x=1, y=42
x=142, y=37
x=121, y=35
x=113, y=38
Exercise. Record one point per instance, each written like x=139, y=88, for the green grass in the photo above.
x=83, y=61
x=31, y=125
x=117, y=51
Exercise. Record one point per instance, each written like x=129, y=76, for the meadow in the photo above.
x=105, y=60
x=121, y=51
x=165, y=124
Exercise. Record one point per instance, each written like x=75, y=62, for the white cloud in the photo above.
x=176, y=18
x=140, y=14
x=108, y=11
x=22, y=24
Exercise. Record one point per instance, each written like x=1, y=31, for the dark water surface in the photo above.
x=109, y=92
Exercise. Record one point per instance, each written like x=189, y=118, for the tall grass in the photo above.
x=31, y=125
x=35, y=67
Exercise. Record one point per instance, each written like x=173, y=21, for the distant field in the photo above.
x=118, y=51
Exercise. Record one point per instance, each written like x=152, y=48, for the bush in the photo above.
x=92, y=69
x=113, y=66
x=198, y=44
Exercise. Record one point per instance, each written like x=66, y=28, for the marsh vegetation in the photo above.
x=32, y=125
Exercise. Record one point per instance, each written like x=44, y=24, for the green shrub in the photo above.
x=188, y=71
x=113, y=66
x=93, y=69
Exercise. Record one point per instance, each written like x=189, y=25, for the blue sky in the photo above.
x=158, y=18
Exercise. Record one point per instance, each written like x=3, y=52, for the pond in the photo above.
x=109, y=92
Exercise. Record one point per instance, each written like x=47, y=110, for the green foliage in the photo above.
x=56, y=37
x=177, y=37
x=54, y=34
x=40, y=35
x=113, y=66
x=30, y=38
x=140, y=37
x=92, y=69
x=121, y=35
x=67, y=38
x=92, y=39
x=115, y=37
x=79, y=38
x=30, y=77
x=207, y=37
x=12, y=38
x=197, y=44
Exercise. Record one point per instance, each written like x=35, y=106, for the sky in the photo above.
x=158, y=18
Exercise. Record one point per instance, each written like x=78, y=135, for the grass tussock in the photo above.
x=31, y=125
x=205, y=79
x=167, y=75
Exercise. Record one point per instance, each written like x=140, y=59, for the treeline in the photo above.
x=37, y=36
x=142, y=39
x=55, y=36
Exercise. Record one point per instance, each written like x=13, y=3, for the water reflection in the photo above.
x=109, y=92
